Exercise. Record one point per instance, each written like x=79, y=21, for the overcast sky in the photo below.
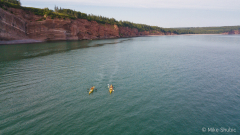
x=162, y=13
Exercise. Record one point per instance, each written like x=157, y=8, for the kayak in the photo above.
x=91, y=90
x=111, y=89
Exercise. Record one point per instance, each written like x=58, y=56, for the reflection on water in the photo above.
x=22, y=51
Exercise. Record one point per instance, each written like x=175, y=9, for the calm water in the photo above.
x=163, y=85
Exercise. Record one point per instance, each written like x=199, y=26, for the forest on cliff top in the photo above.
x=62, y=13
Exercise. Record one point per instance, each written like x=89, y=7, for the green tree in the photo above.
x=18, y=2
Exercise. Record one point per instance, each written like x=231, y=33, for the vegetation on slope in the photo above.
x=17, y=2
x=103, y=20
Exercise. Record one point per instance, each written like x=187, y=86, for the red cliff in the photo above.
x=19, y=24
x=232, y=32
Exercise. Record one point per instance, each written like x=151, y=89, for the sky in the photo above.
x=162, y=13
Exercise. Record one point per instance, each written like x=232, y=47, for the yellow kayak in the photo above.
x=91, y=90
x=111, y=89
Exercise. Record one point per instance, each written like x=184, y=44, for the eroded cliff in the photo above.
x=12, y=27
x=232, y=32
x=19, y=24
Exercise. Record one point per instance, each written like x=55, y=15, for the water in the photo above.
x=163, y=85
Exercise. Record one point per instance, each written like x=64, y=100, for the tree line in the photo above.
x=210, y=30
x=12, y=1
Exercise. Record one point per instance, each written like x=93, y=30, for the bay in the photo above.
x=162, y=85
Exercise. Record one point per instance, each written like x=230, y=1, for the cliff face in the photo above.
x=18, y=24
x=56, y=29
x=25, y=25
x=11, y=26
x=234, y=32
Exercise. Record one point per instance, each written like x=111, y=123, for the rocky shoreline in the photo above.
x=23, y=41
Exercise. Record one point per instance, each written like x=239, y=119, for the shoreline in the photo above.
x=202, y=34
x=22, y=41
x=185, y=34
x=31, y=41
